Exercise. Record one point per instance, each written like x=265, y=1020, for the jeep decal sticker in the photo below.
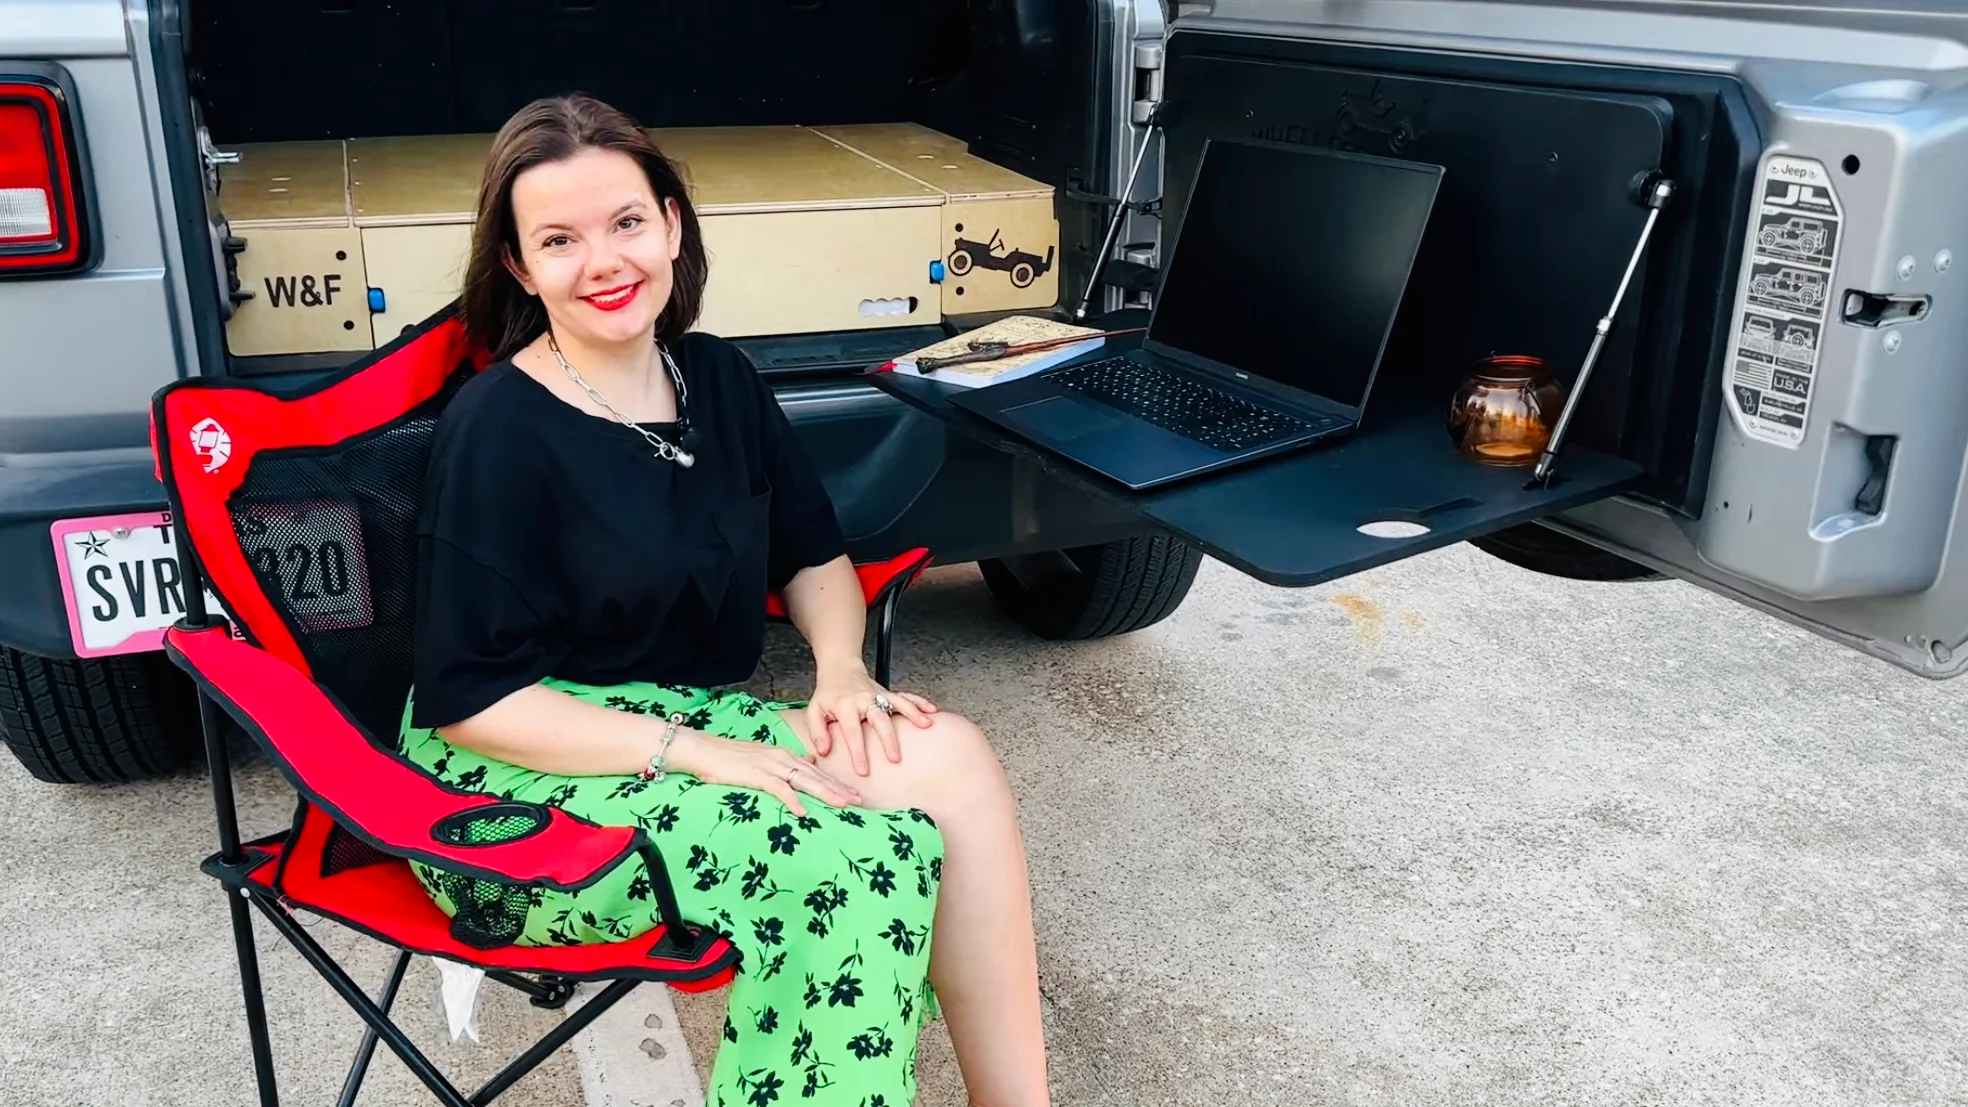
x=1021, y=266
x=1780, y=315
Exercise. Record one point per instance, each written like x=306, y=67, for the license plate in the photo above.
x=310, y=552
x=121, y=580
x=123, y=584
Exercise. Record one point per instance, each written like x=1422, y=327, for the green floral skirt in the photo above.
x=831, y=913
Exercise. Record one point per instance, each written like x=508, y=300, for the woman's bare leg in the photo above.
x=982, y=962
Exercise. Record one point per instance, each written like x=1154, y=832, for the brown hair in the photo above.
x=498, y=314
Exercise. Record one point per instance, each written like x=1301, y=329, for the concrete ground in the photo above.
x=1379, y=842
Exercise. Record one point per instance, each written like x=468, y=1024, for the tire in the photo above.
x=1022, y=275
x=1543, y=550
x=103, y=721
x=1095, y=591
x=959, y=262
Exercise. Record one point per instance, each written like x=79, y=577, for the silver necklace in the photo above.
x=664, y=449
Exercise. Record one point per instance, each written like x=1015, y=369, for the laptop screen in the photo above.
x=1290, y=263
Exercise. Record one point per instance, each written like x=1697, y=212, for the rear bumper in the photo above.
x=33, y=616
x=899, y=480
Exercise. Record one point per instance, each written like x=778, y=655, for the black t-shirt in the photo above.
x=556, y=543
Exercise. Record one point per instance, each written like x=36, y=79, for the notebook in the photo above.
x=1015, y=330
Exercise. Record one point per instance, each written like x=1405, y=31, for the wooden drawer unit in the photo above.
x=302, y=264
x=827, y=229
x=999, y=238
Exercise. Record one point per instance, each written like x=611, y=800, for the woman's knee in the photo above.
x=952, y=760
x=955, y=733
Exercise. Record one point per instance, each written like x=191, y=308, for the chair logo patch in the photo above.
x=210, y=441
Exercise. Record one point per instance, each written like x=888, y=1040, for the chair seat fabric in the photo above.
x=383, y=900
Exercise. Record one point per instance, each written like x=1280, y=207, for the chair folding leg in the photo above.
x=219, y=764
x=885, y=637
x=414, y=1059
x=554, y=1039
x=353, y=995
x=256, y=1019
x=548, y=991
x=352, y=1087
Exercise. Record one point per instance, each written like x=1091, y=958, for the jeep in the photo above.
x=270, y=190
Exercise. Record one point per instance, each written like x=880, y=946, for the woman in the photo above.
x=607, y=505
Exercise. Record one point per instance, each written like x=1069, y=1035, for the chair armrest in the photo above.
x=378, y=795
x=877, y=579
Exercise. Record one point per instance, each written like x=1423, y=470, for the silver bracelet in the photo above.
x=655, y=771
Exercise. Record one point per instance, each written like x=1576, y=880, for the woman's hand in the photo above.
x=773, y=769
x=843, y=709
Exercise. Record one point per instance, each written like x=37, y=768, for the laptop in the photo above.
x=1268, y=330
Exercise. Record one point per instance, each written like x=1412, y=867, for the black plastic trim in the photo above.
x=181, y=154
x=33, y=613
x=86, y=220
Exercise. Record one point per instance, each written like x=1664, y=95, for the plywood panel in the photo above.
x=435, y=178
x=999, y=255
x=308, y=293
x=796, y=272
x=749, y=169
x=416, y=179
x=935, y=159
x=295, y=184
x=418, y=269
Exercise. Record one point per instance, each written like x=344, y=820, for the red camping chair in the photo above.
x=297, y=509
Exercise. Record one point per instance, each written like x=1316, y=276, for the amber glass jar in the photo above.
x=1504, y=410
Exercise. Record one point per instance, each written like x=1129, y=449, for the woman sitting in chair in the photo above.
x=608, y=505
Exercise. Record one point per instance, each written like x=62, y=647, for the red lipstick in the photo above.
x=614, y=299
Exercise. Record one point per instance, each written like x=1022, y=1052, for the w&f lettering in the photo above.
x=305, y=290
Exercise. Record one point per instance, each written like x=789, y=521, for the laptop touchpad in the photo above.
x=1063, y=417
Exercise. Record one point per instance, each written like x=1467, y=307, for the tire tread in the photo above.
x=96, y=721
x=1129, y=585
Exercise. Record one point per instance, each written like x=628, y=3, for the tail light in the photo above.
x=42, y=228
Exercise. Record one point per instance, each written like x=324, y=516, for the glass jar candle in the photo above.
x=1504, y=410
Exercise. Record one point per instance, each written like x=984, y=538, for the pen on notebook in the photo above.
x=993, y=351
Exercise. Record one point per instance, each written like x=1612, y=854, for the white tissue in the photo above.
x=458, y=984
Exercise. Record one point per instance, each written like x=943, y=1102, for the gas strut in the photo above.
x=1153, y=122
x=1657, y=199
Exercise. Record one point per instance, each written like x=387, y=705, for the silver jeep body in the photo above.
x=1821, y=447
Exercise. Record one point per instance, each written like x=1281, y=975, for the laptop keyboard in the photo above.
x=1182, y=406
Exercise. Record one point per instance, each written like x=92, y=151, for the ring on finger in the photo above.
x=882, y=704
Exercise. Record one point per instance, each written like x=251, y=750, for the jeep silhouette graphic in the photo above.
x=1790, y=286
x=1759, y=333
x=1797, y=345
x=1796, y=234
x=1024, y=267
x=1375, y=114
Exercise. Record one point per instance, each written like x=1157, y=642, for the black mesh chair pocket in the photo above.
x=488, y=914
